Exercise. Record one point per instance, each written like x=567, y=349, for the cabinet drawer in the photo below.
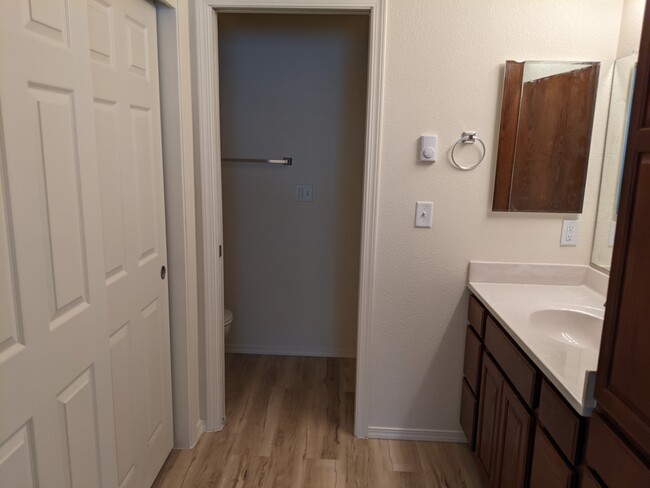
x=472, y=364
x=548, y=469
x=612, y=459
x=476, y=316
x=468, y=414
x=521, y=372
x=561, y=422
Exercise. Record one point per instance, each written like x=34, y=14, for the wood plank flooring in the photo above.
x=290, y=424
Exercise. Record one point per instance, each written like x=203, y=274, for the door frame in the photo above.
x=208, y=152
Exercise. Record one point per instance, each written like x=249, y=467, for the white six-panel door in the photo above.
x=123, y=49
x=56, y=420
x=85, y=394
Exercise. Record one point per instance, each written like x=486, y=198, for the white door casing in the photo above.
x=209, y=155
x=56, y=426
x=126, y=103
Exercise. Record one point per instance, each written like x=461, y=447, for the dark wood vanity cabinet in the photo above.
x=618, y=441
x=521, y=430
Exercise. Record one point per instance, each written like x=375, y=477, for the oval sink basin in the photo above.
x=573, y=327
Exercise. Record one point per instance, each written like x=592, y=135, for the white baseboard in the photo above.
x=291, y=351
x=396, y=433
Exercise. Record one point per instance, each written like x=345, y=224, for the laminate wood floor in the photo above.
x=290, y=424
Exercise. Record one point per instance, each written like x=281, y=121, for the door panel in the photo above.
x=514, y=431
x=17, y=459
x=141, y=135
x=106, y=130
x=47, y=18
x=77, y=411
x=100, y=26
x=153, y=369
x=488, y=421
x=57, y=141
x=56, y=427
x=138, y=54
x=121, y=345
x=129, y=150
x=11, y=331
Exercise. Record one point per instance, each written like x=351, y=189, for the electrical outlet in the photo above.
x=304, y=193
x=569, y=233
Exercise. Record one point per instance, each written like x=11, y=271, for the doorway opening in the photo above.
x=292, y=85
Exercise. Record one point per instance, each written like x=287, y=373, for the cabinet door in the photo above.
x=468, y=414
x=488, y=421
x=513, y=441
x=548, y=469
x=609, y=455
x=623, y=385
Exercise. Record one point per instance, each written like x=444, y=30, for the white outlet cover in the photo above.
x=304, y=193
x=424, y=214
x=569, y=233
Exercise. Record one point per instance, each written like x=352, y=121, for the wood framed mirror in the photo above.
x=547, y=115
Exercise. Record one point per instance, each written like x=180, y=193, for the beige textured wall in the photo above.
x=444, y=69
x=631, y=22
x=293, y=85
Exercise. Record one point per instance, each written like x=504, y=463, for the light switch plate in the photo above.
x=304, y=193
x=423, y=214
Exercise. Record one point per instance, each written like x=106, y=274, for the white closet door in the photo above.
x=56, y=420
x=123, y=48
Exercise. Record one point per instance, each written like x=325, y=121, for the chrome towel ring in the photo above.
x=467, y=138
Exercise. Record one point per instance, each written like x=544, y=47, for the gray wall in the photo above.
x=293, y=85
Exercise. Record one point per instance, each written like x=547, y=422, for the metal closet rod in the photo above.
x=283, y=161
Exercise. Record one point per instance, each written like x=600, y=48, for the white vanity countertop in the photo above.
x=513, y=292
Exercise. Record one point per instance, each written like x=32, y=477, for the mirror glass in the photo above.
x=545, y=134
x=613, y=157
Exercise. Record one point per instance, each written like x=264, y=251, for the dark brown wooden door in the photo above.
x=623, y=385
x=488, y=421
x=513, y=441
